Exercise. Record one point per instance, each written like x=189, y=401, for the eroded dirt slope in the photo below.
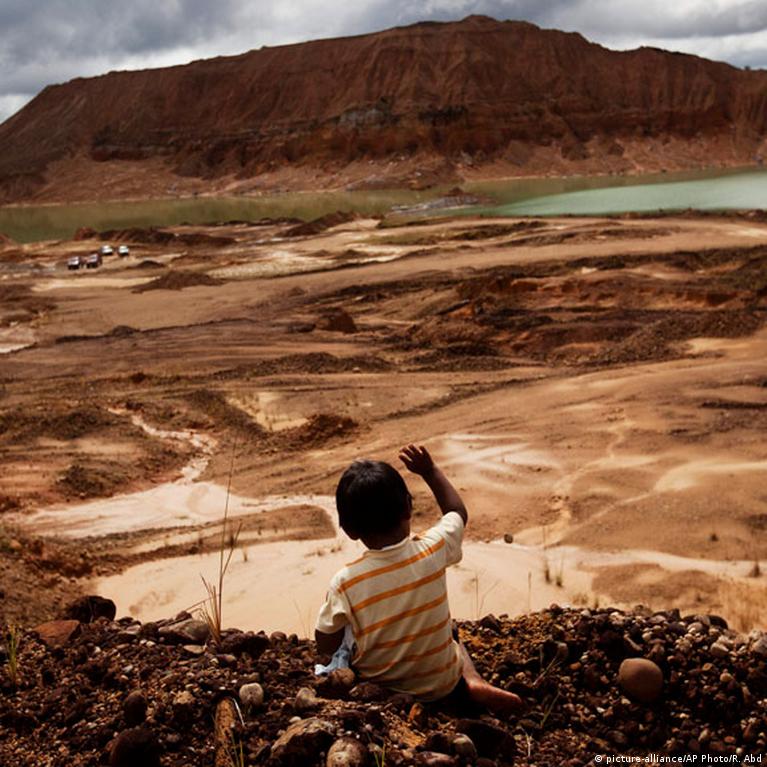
x=595, y=387
x=423, y=104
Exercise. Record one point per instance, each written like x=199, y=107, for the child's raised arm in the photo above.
x=418, y=460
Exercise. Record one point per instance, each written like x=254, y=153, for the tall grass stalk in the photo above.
x=212, y=607
x=547, y=713
x=13, y=639
x=479, y=598
x=235, y=752
x=560, y=575
x=303, y=618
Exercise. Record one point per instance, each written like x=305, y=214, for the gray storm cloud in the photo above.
x=50, y=41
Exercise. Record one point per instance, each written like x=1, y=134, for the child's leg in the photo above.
x=483, y=693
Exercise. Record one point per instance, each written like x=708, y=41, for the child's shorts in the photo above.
x=458, y=696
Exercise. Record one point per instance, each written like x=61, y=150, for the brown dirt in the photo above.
x=178, y=280
x=608, y=388
x=19, y=304
x=58, y=451
x=564, y=663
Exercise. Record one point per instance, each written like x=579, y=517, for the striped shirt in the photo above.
x=395, y=600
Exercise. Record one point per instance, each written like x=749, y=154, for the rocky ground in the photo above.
x=89, y=690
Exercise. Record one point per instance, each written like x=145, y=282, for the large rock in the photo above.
x=88, y=609
x=242, y=642
x=134, y=708
x=137, y=747
x=759, y=647
x=301, y=742
x=191, y=631
x=641, y=679
x=184, y=709
x=337, y=684
x=490, y=741
x=57, y=633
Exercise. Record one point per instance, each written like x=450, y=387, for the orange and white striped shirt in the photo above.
x=395, y=600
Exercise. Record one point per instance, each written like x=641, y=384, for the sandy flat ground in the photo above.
x=596, y=388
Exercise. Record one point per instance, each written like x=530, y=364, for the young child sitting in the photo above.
x=394, y=597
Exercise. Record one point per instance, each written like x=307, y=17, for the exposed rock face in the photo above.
x=470, y=92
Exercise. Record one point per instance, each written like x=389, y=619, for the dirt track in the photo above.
x=591, y=385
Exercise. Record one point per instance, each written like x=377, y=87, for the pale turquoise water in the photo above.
x=723, y=191
x=703, y=190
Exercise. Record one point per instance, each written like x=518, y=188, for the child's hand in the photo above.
x=417, y=460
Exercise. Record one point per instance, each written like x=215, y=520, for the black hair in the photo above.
x=371, y=498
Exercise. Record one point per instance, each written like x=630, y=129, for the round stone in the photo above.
x=347, y=752
x=464, y=747
x=641, y=679
x=252, y=696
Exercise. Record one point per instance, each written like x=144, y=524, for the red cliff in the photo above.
x=472, y=95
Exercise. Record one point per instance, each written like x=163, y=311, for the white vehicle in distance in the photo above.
x=123, y=250
x=93, y=261
x=106, y=250
x=74, y=262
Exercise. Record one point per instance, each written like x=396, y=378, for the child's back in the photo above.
x=395, y=599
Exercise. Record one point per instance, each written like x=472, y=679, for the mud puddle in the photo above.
x=279, y=585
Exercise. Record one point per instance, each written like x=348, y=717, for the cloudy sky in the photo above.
x=51, y=41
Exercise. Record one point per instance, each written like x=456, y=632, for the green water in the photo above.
x=703, y=190
x=57, y=222
x=723, y=190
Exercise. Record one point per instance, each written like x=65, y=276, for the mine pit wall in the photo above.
x=473, y=93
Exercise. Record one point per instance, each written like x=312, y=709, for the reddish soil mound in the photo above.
x=318, y=430
x=653, y=341
x=5, y=240
x=153, y=236
x=149, y=236
x=85, y=233
x=320, y=224
x=178, y=280
x=93, y=479
x=79, y=421
x=19, y=304
x=337, y=320
x=148, y=263
x=469, y=92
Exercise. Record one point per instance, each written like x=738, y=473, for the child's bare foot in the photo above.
x=500, y=702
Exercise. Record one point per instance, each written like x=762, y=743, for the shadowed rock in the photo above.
x=88, y=609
